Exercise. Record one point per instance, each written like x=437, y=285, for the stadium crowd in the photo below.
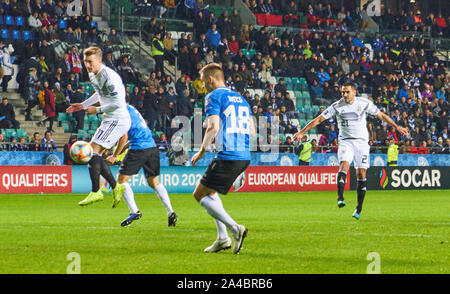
x=399, y=73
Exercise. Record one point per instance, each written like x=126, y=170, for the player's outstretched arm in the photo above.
x=312, y=124
x=74, y=108
x=384, y=117
x=210, y=134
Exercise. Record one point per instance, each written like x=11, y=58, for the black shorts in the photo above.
x=143, y=158
x=221, y=174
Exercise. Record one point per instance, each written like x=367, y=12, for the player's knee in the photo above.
x=95, y=162
x=361, y=173
x=198, y=195
x=153, y=182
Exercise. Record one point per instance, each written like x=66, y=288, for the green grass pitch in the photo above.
x=288, y=233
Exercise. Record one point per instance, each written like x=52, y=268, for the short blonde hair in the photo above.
x=93, y=51
x=212, y=69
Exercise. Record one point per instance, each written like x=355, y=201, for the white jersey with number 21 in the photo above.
x=351, y=118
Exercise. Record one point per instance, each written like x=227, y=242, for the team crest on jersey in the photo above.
x=107, y=89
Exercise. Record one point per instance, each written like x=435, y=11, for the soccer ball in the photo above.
x=81, y=152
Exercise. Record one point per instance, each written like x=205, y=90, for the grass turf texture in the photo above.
x=288, y=233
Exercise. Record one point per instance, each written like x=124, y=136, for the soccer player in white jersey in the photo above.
x=351, y=112
x=110, y=93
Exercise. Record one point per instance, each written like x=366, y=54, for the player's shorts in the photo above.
x=355, y=150
x=221, y=174
x=134, y=160
x=109, y=132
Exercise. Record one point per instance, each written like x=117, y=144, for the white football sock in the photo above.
x=128, y=196
x=222, y=233
x=164, y=198
x=214, y=207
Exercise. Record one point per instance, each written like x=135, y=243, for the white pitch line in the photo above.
x=375, y=234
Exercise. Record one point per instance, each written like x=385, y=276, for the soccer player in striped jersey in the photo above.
x=110, y=93
x=229, y=121
x=351, y=112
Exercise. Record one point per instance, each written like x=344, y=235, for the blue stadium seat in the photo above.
x=9, y=20
x=4, y=34
x=62, y=24
x=93, y=24
x=16, y=35
x=20, y=21
x=27, y=35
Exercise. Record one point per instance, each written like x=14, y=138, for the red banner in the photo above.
x=35, y=179
x=288, y=179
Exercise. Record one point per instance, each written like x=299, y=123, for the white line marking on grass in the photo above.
x=374, y=234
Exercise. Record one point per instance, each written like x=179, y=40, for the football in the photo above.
x=81, y=152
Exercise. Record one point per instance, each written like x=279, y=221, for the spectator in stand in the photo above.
x=163, y=143
x=7, y=67
x=35, y=142
x=77, y=97
x=136, y=98
x=47, y=143
x=213, y=37
x=49, y=108
x=30, y=92
x=7, y=115
x=150, y=107
x=316, y=90
x=67, y=158
x=61, y=102
x=3, y=146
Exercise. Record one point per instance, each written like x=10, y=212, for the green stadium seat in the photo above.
x=307, y=101
x=62, y=116
x=305, y=94
x=93, y=118
x=9, y=133
x=22, y=133
x=66, y=126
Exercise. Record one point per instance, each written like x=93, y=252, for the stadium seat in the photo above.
x=62, y=24
x=66, y=126
x=9, y=133
x=94, y=24
x=16, y=35
x=27, y=35
x=2, y=20
x=4, y=34
x=20, y=21
x=9, y=20
x=62, y=116
x=22, y=133
x=305, y=94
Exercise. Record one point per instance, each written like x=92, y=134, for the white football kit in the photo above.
x=110, y=92
x=353, y=134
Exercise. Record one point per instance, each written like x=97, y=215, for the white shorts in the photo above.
x=109, y=132
x=355, y=150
